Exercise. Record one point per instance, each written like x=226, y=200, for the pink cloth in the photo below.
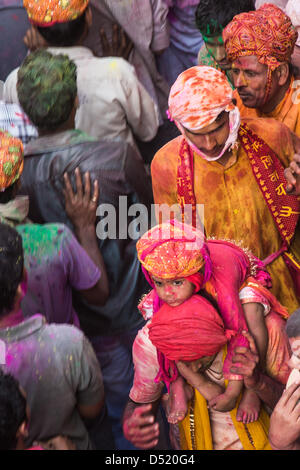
x=189, y=331
x=231, y=266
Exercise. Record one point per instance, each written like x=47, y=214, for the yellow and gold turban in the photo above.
x=48, y=12
x=267, y=33
x=171, y=250
x=11, y=160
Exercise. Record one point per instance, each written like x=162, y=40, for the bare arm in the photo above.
x=204, y=385
x=90, y=412
x=81, y=209
x=254, y=313
x=139, y=424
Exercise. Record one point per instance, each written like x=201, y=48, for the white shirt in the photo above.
x=113, y=105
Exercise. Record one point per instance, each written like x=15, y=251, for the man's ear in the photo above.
x=22, y=430
x=282, y=72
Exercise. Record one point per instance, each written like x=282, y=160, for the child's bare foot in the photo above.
x=249, y=407
x=222, y=403
x=180, y=394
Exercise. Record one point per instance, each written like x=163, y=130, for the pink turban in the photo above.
x=198, y=96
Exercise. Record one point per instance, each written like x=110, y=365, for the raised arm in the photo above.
x=81, y=209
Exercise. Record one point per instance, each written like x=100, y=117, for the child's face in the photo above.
x=294, y=361
x=174, y=291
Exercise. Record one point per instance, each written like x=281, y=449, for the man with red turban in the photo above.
x=259, y=45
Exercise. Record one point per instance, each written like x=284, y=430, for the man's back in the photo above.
x=57, y=368
x=113, y=105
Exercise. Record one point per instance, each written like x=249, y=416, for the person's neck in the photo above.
x=274, y=102
x=225, y=158
x=12, y=319
x=67, y=126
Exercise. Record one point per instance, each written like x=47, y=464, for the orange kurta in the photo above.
x=234, y=207
x=287, y=111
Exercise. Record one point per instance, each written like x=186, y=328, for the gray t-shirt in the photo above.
x=58, y=369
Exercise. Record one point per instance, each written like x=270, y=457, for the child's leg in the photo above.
x=226, y=401
x=180, y=394
x=279, y=351
x=249, y=407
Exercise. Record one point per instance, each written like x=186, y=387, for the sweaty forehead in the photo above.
x=249, y=63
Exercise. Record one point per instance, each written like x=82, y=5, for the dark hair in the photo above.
x=212, y=16
x=293, y=324
x=11, y=266
x=47, y=88
x=64, y=34
x=9, y=193
x=12, y=411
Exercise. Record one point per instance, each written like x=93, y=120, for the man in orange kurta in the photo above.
x=235, y=207
x=259, y=44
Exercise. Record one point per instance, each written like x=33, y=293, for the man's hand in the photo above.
x=249, y=361
x=33, y=40
x=80, y=206
x=292, y=175
x=121, y=45
x=285, y=420
x=140, y=428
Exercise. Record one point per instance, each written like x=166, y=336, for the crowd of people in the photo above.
x=149, y=225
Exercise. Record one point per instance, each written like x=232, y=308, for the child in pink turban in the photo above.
x=177, y=264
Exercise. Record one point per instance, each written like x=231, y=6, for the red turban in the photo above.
x=188, y=332
x=11, y=159
x=49, y=12
x=267, y=33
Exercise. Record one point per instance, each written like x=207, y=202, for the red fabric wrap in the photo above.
x=188, y=332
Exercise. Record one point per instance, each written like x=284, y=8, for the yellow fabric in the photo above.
x=234, y=207
x=287, y=111
x=253, y=436
x=203, y=437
